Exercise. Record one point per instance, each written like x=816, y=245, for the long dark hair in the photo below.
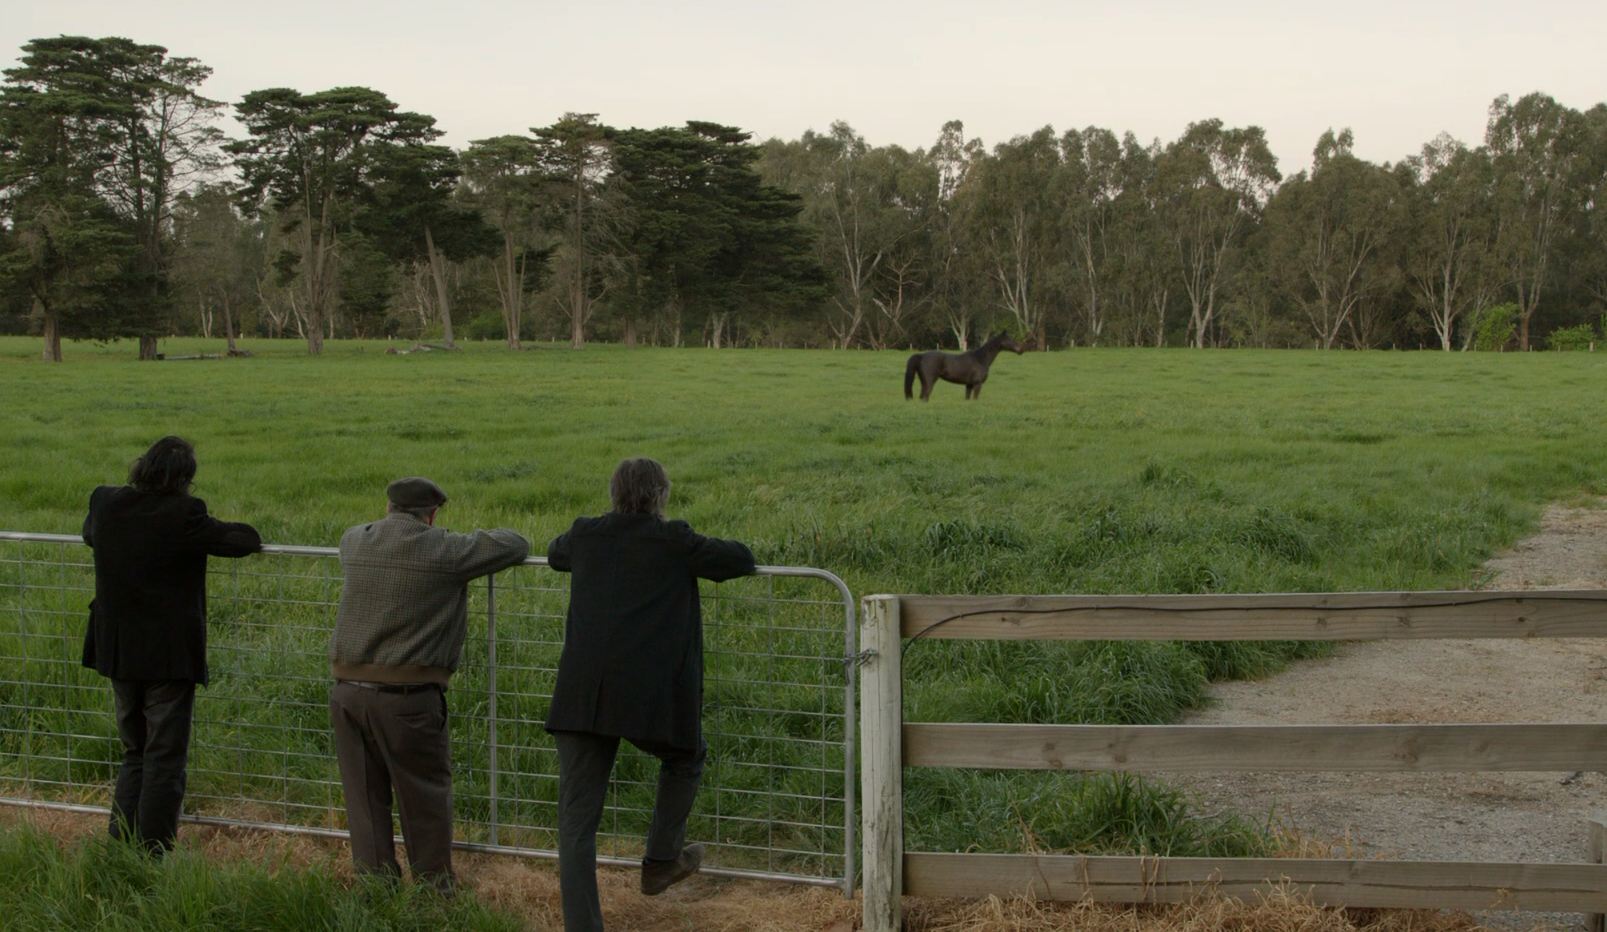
x=167, y=467
x=640, y=486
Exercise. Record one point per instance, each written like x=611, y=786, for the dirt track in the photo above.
x=1494, y=817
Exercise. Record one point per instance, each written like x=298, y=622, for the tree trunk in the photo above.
x=510, y=282
x=52, y=350
x=438, y=272
x=147, y=347
x=228, y=322
x=630, y=331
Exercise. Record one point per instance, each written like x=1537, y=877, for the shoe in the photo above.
x=658, y=876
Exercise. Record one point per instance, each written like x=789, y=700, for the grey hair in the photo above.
x=639, y=486
x=423, y=514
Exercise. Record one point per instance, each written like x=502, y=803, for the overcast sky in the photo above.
x=1397, y=73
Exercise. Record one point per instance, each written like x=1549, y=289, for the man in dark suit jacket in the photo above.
x=632, y=668
x=147, y=626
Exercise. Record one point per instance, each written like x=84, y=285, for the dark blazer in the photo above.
x=148, y=619
x=632, y=663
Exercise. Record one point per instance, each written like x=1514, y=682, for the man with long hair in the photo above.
x=631, y=668
x=147, y=627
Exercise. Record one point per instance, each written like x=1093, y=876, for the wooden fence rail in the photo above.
x=889, y=744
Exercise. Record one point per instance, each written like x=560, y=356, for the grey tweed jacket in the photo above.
x=404, y=603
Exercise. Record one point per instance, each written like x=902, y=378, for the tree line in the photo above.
x=126, y=213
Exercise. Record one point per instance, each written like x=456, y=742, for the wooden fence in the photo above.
x=889, y=744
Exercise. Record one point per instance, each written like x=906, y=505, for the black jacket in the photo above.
x=148, y=619
x=632, y=663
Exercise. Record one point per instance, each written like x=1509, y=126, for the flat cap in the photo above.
x=415, y=492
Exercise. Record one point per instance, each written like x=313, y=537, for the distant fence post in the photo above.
x=1596, y=922
x=881, y=717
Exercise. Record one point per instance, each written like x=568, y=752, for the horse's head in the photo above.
x=1003, y=341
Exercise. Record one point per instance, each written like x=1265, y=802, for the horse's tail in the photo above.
x=909, y=375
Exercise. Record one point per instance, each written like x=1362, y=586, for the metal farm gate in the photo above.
x=777, y=800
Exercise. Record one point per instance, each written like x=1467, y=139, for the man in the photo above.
x=398, y=638
x=632, y=668
x=147, y=627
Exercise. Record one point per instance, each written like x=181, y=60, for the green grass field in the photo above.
x=1094, y=471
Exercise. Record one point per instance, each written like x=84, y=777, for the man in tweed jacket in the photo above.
x=398, y=638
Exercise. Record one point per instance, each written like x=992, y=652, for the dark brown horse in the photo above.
x=968, y=369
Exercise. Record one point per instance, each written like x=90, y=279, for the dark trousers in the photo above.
x=387, y=741
x=153, y=722
x=584, y=763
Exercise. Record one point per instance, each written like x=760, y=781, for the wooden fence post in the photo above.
x=881, y=725
x=1598, y=847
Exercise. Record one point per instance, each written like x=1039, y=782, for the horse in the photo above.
x=968, y=369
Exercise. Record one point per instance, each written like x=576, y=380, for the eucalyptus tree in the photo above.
x=503, y=177
x=1090, y=183
x=1018, y=225
x=903, y=288
x=310, y=160
x=850, y=194
x=100, y=134
x=1448, y=240
x=1217, y=180
x=1142, y=275
x=1593, y=228
x=575, y=155
x=1329, y=233
x=955, y=265
x=1536, y=147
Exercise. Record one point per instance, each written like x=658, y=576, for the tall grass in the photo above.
x=100, y=885
x=1102, y=471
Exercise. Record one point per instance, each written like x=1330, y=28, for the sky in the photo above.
x=1397, y=73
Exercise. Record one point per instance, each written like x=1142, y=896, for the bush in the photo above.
x=485, y=326
x=1494, y=327
x=1572, y=338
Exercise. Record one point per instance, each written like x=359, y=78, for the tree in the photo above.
x=1018, y=224
x=69, y=255
x=502, y=177
x=1091, y=176
x=955, y=264
x=109, y=121
x=309, y=159
x=707, y=238
x=851, y=197
x=1143, y=273
x=904, y=286
x=1328, y=233
x=1449, y=233
x=1535, y=145
x=1592, y=241
x=1217, y=180
x=217, y=256
x=408, y=212
x=574, y=154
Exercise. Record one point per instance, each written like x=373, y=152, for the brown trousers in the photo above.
x=387, y=740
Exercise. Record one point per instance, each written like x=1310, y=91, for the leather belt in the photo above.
x=403, y=688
